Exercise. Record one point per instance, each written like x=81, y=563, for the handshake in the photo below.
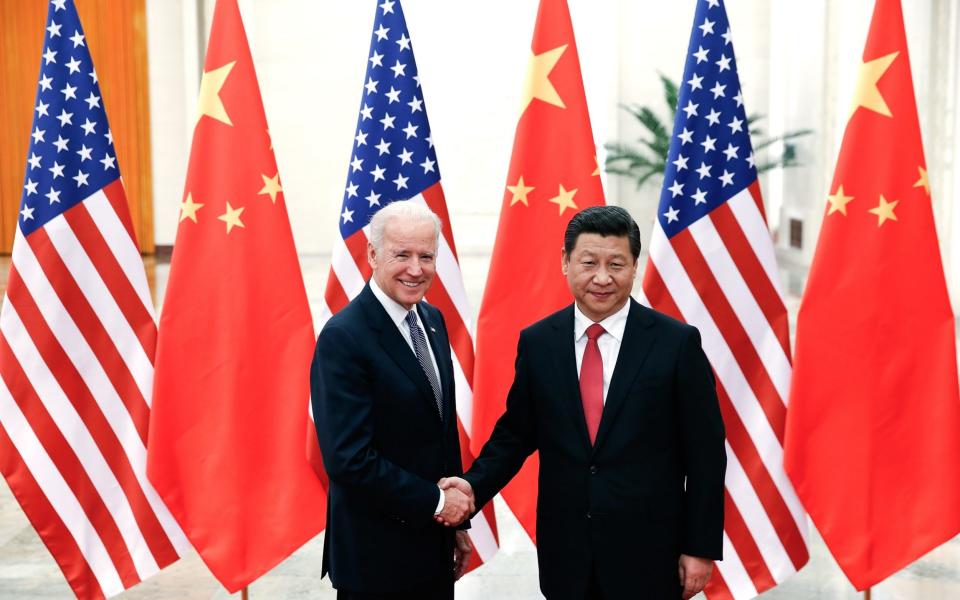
x=458, y=501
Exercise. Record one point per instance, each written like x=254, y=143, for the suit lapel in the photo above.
x=441, y=351
x=637, y=343
x=391, y=340
x=565, y=358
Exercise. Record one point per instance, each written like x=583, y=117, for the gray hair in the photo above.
x=403, y=209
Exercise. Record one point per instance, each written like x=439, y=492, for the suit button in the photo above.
x=593, y=469
x=589, y=516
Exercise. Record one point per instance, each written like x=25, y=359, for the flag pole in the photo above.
x=866, y=594
x=244, y=594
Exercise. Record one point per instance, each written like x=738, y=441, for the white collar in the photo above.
x=614, y=325
x=395, y=310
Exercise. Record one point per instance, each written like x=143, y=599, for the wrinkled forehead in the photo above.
x=410, y=234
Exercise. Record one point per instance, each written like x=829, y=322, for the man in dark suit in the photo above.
x=620, y=401
x=383, y=402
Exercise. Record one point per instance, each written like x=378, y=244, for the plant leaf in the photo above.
x=671, y=92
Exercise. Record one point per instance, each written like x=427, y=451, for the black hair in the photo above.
x=605, y=221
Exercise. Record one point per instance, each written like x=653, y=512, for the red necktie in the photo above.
x=591, y=381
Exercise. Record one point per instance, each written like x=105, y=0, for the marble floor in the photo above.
x=28, y=571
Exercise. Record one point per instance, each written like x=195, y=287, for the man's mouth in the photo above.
x=409, y=284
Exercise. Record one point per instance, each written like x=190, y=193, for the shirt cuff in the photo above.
x=440, y=503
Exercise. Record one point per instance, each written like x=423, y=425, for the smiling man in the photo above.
x=620, y=401
x=383, y=401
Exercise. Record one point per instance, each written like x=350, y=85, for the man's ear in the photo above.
x=564, y=260
x=371, y=255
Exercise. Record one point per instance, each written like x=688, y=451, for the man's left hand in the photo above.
x=461, y=554
x=694, y=574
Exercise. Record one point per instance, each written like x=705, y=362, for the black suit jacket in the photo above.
x=384, y=448
x=651, y=487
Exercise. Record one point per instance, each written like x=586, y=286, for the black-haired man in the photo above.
x=620, y=401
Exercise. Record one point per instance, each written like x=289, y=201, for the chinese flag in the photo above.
x=553, y=175
x=235, y=339
x=873, y=426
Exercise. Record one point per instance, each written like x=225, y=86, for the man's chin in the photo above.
x=602, y=309
x=411, y=297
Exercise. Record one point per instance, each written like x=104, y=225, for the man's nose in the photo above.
x=602, y=276
x=415, y=268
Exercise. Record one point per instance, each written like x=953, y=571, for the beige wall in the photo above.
x=797, y=64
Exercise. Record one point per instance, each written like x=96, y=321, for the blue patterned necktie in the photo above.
x=423, y=356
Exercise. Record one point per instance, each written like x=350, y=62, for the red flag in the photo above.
x=235, y=339
x=873, y=426
x=553, y=175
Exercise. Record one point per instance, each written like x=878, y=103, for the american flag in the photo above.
x=77, y=337
x=712, y=265
x=393, y=159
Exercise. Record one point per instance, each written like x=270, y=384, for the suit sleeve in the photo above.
x=514, y=437
x=704, y=452
x=342, y=410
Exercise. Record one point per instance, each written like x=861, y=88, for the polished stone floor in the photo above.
x=27, y=570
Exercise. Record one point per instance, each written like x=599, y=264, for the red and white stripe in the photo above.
x=77, y=337
x=720, y=275
x=348, y=273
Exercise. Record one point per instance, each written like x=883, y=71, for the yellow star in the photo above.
x=884, y=211
x=923, y=181
x=538, y=83
x=271, y=185
x=188, y=209
x=564, y=199
x=232, y=217
x=866, y=94
x=520, y=192
x=210, y=103
x=839, y=202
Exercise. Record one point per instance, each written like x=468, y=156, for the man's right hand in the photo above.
x=457, y=507
x=458, y=502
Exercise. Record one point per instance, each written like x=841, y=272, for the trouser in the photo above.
x=440, y=590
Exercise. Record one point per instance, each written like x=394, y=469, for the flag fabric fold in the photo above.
x=393, y=159
x=553, y=174
x=77, y=341
x=712, y=265
x=873, y=430
x=235, y=338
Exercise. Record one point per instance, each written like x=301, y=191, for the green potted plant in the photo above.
x=649, y=159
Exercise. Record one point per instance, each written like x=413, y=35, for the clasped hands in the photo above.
x=458, y=501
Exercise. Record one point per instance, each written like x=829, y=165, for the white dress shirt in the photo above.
x=609, y=342
x=398, y=314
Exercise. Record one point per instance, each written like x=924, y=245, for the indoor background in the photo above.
x=797, y=64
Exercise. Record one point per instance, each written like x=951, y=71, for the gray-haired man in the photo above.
x=383, y=402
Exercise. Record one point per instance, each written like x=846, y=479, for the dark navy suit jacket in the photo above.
x=649, y=489
x=384, y=448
